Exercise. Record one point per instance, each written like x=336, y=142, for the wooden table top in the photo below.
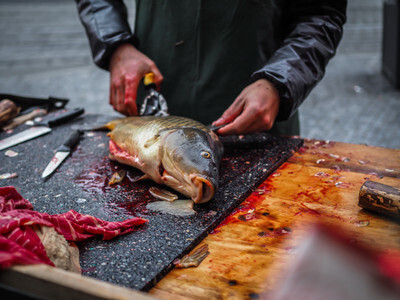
x=251, y=250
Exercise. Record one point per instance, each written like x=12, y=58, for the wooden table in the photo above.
x=251, y=250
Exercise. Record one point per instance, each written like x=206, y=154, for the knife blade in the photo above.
x=62, y=152
x=154, y=104
x=215, y=128
x=40, y=128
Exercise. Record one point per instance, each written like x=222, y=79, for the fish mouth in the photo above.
x=204, y=189
x=195, y=186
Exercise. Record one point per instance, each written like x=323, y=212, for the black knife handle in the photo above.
x=71, y=141
x=63, y=117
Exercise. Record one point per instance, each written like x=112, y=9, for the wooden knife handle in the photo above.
x=8, y=110
x=381, y=198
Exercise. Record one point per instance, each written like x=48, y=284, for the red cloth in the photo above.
x=19, y=244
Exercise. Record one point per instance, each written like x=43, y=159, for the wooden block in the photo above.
x=8, y=110
x=47, y=282
x=380, y=198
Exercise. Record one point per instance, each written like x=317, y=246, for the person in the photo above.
x=245, y=64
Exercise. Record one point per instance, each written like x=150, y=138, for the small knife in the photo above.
x=40, y=128
x=62, y=152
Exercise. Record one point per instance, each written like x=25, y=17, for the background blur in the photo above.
x=44, y=51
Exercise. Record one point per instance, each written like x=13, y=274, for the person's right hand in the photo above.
x=127, y=68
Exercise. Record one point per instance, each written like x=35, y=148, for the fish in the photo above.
x=162, y=194
x=117, y=177
x=175, y=151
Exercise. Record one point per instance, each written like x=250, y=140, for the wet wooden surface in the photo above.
x=252, y=249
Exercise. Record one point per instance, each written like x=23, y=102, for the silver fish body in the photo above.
x=176, y=151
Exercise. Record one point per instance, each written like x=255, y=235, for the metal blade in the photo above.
x=154, y=104
x=24, y=136
x=215, y=128
x=55, y=162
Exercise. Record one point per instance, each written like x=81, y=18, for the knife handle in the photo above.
x=148, y=81
x=63, y=117
x=71, y=141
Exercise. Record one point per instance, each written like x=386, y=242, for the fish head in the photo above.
x=190, y=160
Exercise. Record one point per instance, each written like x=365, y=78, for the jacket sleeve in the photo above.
x=106, y=26
x=314, y=31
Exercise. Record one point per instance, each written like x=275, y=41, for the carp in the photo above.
x=175, y=151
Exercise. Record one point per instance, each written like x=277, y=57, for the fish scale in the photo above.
x=158, y=122
x=179, y=152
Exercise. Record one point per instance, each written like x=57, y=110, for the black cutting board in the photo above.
x=139, y=259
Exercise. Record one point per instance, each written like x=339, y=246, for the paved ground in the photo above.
x=44, y=51
x=354, y=103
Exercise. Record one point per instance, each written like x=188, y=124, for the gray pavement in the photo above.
x=44, y=51
x=354, y=103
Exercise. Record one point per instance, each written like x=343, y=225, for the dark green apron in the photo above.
x=206, y=51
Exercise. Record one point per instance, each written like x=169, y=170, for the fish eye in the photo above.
x=205, y=154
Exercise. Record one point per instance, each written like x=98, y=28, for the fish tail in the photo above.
x=112, y=124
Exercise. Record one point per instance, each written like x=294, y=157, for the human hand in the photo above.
x=254, y=110
x=127, y=68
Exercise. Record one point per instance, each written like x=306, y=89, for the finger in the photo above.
x=243, y=124
x=111, y=96
x=119, y=103
x=114, y=95
x=231, y=112
x=131, y=85
x=158, y=78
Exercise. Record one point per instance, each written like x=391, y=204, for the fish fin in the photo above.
x=112, y=124
x=151, y=141
x=144, y=177
x=163, y=194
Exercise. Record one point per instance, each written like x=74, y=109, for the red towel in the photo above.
x=19, y=244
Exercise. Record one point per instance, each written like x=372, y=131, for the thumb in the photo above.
x=158, y=77
x=131, y=86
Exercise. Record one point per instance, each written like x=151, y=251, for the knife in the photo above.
x=40, y=128
x=62, y=152
x=154, y=104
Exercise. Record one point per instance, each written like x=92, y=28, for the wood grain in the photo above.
x=45, y=282
x=364, y=159
x=252, y=249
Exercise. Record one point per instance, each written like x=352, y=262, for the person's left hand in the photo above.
x=254, y=110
